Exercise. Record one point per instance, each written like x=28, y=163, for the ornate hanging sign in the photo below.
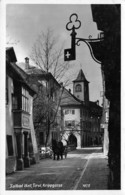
x=95, y=45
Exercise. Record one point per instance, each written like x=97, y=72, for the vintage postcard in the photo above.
x=62, y=97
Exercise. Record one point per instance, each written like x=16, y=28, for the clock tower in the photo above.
x=81, y=87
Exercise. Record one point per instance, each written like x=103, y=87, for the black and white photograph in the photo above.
x=62, y=97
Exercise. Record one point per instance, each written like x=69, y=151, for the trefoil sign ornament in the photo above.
x=95, y=45
x=74, y=23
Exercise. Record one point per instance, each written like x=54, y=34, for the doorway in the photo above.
x=72, y=140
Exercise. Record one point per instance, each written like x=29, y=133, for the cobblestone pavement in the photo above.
x=82, y=169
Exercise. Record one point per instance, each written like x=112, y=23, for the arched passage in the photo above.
x=72, y=140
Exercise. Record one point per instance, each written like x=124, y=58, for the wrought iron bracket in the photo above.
x=74, y=23
x=88, y=42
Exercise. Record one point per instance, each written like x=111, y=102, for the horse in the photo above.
x=58, y=149
x=61, y=148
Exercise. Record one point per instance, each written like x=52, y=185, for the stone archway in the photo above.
x=72, y=140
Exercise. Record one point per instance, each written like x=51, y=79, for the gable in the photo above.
x=10, y=54
x=69, y=99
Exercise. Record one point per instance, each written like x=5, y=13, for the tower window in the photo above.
x=78, y=88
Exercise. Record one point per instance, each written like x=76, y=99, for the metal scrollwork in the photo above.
x=78, y=42
x=73, y=22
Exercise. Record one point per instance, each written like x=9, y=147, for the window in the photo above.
x=66, y=112
x=73, y=111
x=25, y=100
x=14, y=102
x=15, y=88
x=70, y=123
x=107, y=117
x=10, y=145
x=54, y=135
x=69, y=112
x=78, y=88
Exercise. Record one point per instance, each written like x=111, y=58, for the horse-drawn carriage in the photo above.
x=58, y=150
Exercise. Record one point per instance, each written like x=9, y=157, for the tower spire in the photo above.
x=80, y=87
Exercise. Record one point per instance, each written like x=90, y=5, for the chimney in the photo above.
x=26, y=62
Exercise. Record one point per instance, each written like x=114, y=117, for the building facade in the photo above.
x=108, y=19
x=81, y=117
x=46, y=103
x=21, y=146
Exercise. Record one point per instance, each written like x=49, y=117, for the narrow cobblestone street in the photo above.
x=83, y=169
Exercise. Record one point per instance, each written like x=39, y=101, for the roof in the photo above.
x=95, y=109
x=34, y=70
x=10, y=54
x=94, y=104
x=69, y=99
x=37, y=72
x=13, y=68
x=80, y=77
x=31, y=69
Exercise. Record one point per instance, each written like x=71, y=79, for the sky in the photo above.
x=24, y=22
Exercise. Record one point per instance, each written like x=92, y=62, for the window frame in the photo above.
x=78, y=88
x=25, y=99
x=14, y=102
x=73, y=111
x=69, y=111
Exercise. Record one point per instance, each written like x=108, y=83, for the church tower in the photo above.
x=81, y=87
